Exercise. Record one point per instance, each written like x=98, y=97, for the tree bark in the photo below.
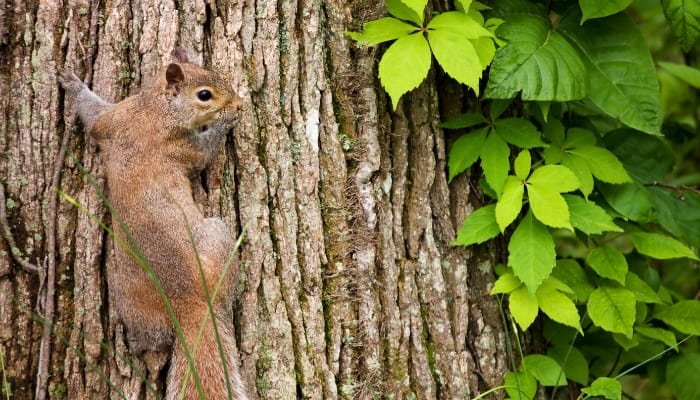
x=349, y=287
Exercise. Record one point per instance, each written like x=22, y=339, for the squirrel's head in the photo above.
x=196, y=95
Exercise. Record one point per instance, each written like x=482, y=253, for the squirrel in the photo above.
x=154, y=143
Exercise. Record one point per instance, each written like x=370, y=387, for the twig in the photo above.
x=50, y=262
x=7, y=234
x=677, y=188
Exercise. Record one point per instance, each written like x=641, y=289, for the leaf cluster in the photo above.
x=584, y=186
x=460, y=41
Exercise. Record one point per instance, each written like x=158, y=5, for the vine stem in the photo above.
x=50, y=265
x=677, y=188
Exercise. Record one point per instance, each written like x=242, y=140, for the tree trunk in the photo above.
x=349, y=287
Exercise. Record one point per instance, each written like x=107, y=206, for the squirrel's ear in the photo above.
x=174, y=76
x=179, y=55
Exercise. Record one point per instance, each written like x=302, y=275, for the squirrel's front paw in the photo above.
x=69, y=80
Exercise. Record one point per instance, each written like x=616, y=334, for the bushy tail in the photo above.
x=208, y=363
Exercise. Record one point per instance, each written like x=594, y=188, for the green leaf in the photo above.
x=684, y=316
x=626, y=343
x=580, y=168
x=523, y=307
x=579, y=137
x=495, y=161
x=632, y=200
x=522, y=165
x=548, y=206
x=587, y=217
x=382, y=30
x=466, y=120
x=647, y=158
x=556, y=177
x=478, y=227
x=570, y=273
x=458, y=23
x=641, y=289
x=544, y=369
x=537, y=61
x=608, y=388
x=682, y=373
x=687, y=74
x=410, y=10
x=554, y=131
x=463, y=5
x=505, y=283
x=531, y=251
x=510, y=203
x=520, y=385
x=543, y=189
x=597, y=9
x=518, y=131
x=498, y=106
x=602, y=163
x=608, y=262
x=664, y=336
x=660, y=246
x=681, y=217
x=613, y=309
x=465, y=151
x=457, y=56
x=404, y=65
x=485, y=49
x=572, y=360
x=558, y=306
x=621, y=74
x=684, y=17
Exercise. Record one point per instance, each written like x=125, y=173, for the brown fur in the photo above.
x=153, y=143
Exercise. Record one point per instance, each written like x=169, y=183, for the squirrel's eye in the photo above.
x=204, y=95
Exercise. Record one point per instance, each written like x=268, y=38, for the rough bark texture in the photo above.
x=349, y=286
